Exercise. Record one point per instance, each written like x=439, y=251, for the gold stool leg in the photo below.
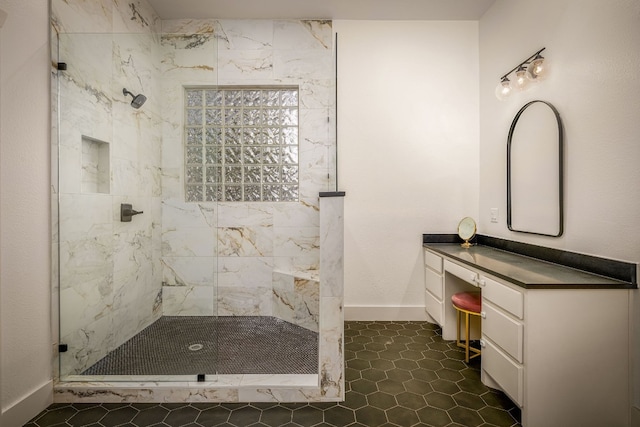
x=466, y=335
x=458, y=313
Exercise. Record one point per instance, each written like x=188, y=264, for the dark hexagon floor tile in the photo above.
x=440, y=400
x=150, y=416
x=351, y=374
x=465, y=416
x=475, y=387
x=456, y=365
x=178, y=417
x=411, y=400
x=444, y=386
x=402, y=416
x=408, y=332
x=359, y=339
x=390, y=386
x=416, y=386
x=364, y=386
x=381, y=400
x=307, y=416
x=276, y=416
x=119, y=416
x=366, y=355
x=213, y=416
x=354, y=400
x=469, y=400
x=429, y=364
x=449, y=374
x=389, y=333
x=497, y=417
x=382, y=364
x=340, y=416
x=371, y=417
x=424, y=375
x=359, y=364
x=244, y=416
x=375, y=346
x=369, y=333
x=497, y=399
x=88, y=416
x=391, y=354
x=398, y=374
x=440, y=346
x=433, y=417
x=406, y=364
x=373, y=374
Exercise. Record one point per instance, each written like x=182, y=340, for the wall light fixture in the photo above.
x=531, y=69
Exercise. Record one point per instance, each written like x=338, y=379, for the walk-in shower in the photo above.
x=214, y=278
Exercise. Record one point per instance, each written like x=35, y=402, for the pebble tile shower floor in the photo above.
x=397, y=374
x=191, y=345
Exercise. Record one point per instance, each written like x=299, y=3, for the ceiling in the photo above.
x=323, y=9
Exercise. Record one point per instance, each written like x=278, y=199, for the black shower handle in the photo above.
x=126, y=212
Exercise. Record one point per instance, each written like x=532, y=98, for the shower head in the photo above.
x=137, y=101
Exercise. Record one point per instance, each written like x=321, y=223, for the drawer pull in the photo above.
x=483, y=314
x=482, y=283
x=483, y=344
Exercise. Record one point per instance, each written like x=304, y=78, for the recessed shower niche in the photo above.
x=95, y=166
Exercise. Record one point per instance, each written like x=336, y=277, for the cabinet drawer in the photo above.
x=503, y=296
x=503, y=330
x=433, y=261
x=433, y=282
x=434, y=307
x=508, y=374
x=461, y=272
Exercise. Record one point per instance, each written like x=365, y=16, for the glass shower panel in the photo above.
x=128, y=283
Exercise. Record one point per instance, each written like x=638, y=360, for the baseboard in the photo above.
x=635, y=416
x=27, y=408
x=387, y=313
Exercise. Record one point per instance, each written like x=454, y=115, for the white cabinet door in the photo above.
x=503, y=296
x=504, y=371
x=504, y=331
x=461, y=272
x=433, y=283
x=434, y=307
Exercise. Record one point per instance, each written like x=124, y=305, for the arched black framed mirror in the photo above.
x=535, y=171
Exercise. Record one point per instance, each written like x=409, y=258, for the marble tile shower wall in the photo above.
x=108, y=154
x=229, y=258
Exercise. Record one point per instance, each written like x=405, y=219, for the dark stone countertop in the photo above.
x=525, y=271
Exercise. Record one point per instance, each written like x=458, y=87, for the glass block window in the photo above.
x=241, y=144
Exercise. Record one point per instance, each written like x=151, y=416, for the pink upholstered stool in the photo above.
x=468, y=303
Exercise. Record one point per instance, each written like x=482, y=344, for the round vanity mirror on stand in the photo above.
x=466, y=231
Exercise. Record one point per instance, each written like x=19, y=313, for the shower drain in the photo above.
x=196, y=347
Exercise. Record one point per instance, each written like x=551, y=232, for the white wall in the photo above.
x=592, y=46
x=25, y=364
x=407, y=152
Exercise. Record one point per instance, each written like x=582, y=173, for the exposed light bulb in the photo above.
x=537, y=69
x=522, y=81
x=503, y=90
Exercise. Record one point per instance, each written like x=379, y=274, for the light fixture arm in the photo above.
x=525, y=62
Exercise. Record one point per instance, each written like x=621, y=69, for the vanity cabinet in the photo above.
x=559, y=348
x=434, y=286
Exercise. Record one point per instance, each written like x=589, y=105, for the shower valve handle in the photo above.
x=126, y=212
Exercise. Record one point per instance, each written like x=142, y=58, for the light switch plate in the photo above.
x=494, y=214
